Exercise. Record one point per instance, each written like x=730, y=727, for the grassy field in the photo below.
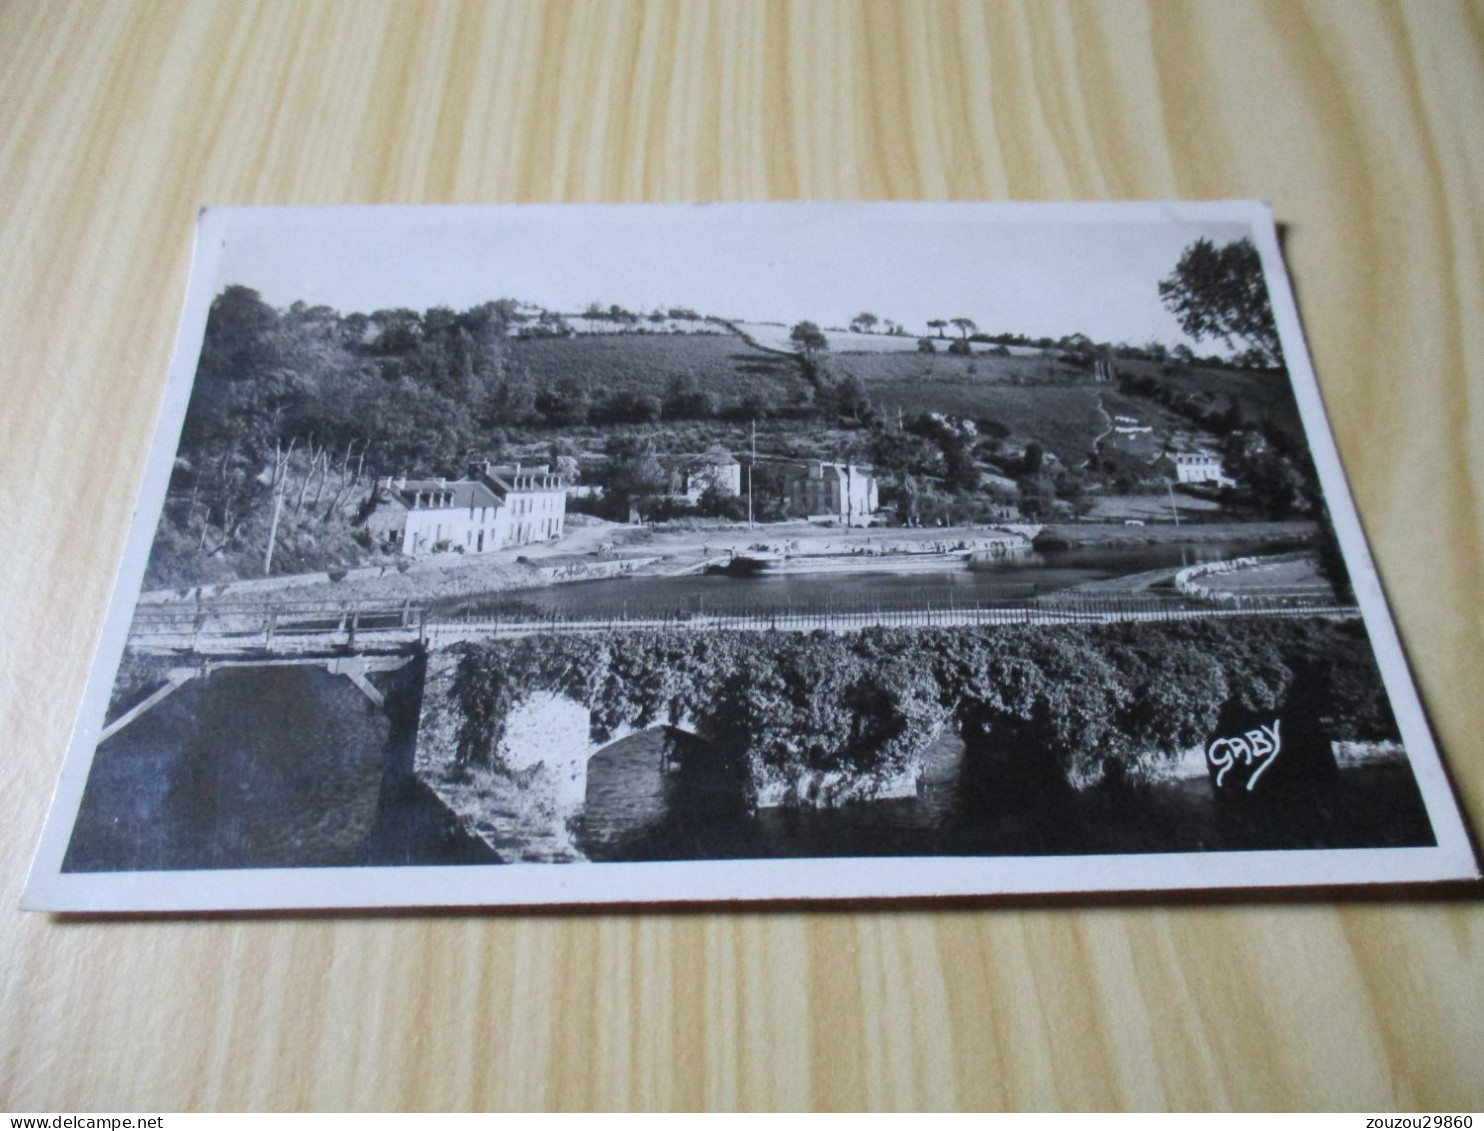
x=1064, y=420
x=1148, y=508
x=724, y=365
x=915, y=368
x=774, y=336
x=1031, y=394
x=1032, y=398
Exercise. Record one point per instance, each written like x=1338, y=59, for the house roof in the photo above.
x=505, y=478
x=831, y=470
x=466, y=493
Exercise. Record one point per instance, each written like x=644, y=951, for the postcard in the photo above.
x=660, y=553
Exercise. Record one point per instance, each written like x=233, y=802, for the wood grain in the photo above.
x=1359, y=121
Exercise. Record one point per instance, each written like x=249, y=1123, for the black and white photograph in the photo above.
x=572, y=554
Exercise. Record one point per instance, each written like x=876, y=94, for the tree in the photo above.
x=852, y=399
x=716, y=502
x=865, y=322
x=907, y=500
x=564, y=403
x=1034, y=459
x=1272, y=482
x=965, y=326
x=925, y=345
x=1071, y=487
x=959, y=472
x=809, y=338
x=937, y=324
x=398, y=331
x=685, y=401
x=1220, y=293
x=1037, y=497
x=634, y=472
x=238, y=334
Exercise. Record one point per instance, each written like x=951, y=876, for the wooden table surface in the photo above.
x=1362, y=123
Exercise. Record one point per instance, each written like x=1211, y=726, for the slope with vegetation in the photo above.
x=295, y=413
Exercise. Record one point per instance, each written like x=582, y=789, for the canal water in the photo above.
x=1021, y=577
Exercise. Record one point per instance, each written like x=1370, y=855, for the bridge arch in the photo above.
x=551, y=732
x=542, y=756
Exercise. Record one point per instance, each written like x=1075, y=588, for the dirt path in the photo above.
x=1098, y=439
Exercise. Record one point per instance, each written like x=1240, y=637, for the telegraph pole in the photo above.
x=751, y=471
x=1170, y=487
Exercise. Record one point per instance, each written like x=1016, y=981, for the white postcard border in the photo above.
x=370, y=887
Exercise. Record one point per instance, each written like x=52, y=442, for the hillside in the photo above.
x=326, y=402
x=722, y=366
x=1028, y=397
x=775, y=336
x=1259, y=395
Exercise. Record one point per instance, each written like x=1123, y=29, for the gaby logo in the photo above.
x=1256, y=749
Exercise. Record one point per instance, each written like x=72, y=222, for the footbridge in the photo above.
x=355, y=668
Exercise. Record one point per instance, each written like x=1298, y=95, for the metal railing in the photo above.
x=371, y=624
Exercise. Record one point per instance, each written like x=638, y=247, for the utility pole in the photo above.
x=751, y=471
x=1170, y=487
x=281, y=472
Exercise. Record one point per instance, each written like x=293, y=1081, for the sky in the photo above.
x=1036, y=271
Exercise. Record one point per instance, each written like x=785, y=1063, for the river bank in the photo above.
x=879, y=559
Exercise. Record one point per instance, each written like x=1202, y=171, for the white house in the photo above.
x=420, y=516
x=496, y=507
x=535, y=497
x=1201, y=467
x=715, y=469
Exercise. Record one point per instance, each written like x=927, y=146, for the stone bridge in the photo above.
x=530, y=811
